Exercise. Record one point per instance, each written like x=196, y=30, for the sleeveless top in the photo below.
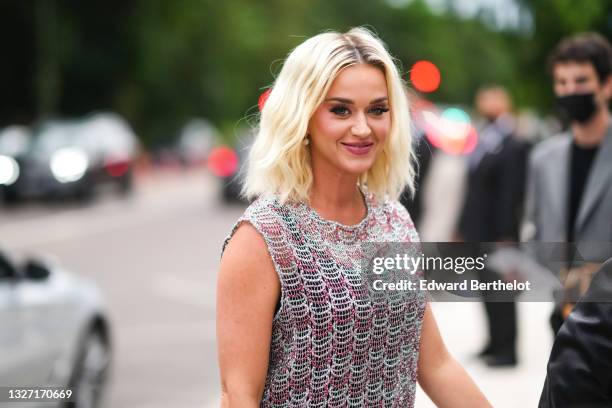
x=333, y=344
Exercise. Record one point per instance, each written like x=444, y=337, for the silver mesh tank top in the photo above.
x=332, y=344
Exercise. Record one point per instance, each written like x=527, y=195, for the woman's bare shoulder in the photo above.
x=247, y=284
x=247, y=251
x=246, y=240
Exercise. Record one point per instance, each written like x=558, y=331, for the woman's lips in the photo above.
x=358, y=148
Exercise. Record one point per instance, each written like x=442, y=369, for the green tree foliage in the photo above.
x=160, y=62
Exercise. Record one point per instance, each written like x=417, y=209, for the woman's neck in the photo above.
x=338, y=198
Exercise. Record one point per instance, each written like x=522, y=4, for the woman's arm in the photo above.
x=247, y=291
x=440, y=375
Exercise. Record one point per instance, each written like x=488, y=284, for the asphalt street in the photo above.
x=155, y=255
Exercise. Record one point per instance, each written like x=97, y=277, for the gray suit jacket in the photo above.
x=547, y=198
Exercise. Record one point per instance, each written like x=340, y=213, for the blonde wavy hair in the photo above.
x=279, y=162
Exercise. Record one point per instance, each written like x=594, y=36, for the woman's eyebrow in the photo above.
x=350, y=102
x=379, y=100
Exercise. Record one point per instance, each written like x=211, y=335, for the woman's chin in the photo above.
x=357, y=169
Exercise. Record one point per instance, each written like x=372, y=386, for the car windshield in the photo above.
x=54, y=136
x=97, y=136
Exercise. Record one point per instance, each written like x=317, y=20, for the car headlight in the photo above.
x=69, y=164
x=9, y=170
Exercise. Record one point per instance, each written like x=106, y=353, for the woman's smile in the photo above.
x=358, y=148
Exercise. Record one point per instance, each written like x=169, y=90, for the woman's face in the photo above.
x=348, y=130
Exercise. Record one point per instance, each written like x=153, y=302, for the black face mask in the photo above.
x=578, y=107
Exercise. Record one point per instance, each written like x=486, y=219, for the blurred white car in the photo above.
x=195, y=142
x=53, y=331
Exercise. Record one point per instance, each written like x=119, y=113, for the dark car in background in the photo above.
x=14, y=142
x=72, y=158
x=54, y=331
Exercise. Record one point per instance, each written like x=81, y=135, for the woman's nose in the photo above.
x=361, y=128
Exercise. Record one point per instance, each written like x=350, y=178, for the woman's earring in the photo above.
x=306, y=141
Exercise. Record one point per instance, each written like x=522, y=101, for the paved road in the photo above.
x=155, y=256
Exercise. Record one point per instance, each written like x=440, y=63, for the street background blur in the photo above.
x=177, y=85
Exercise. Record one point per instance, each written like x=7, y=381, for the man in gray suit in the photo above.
x=569, y=185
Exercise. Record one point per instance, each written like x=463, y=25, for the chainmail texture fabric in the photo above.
x=333, y=344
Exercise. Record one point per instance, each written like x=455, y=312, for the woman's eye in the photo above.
x=340, y=110
x=379, y=110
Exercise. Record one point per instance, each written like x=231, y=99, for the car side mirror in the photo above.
x=35, y=270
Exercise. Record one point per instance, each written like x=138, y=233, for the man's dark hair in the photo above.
x=586, y=47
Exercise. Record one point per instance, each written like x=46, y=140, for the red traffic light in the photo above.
x=223, y=161
x=425, y=76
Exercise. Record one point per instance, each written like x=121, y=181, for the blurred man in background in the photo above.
x=569, y=192
x=492, y=209
x=424, y=152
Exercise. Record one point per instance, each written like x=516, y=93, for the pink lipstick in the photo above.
x=359, y=148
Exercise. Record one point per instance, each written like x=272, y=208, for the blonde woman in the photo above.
x=331, y=156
